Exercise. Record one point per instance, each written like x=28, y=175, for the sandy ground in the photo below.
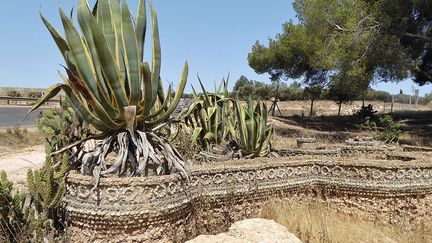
x=17, y=164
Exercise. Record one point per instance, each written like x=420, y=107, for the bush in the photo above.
x=391, y=131
x=369, y=125
x=366, y=111
x=16, y=131
x=13, y=93
x=35, y=94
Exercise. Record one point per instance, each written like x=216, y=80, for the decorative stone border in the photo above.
x=169, y=209
x=306, y=143
x=409, y=148
x=302, y=152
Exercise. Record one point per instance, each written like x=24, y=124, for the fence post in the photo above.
x=391, y=109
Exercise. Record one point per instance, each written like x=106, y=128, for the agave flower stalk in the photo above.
x=110, y=86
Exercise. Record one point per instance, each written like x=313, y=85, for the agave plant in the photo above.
x=110, y=87
x=210, y=115
x=251, y=131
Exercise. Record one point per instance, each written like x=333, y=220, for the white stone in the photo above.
x=251, y=231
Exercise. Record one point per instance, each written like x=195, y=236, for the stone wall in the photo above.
x=170, y=209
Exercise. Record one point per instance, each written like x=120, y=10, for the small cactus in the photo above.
x=46, y=187
x=19, y=220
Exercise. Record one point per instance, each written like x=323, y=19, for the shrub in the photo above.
x=35, y=94
x=366, y=111
x=16, y=131
x=391, y=130
x=13, y=93
x=369, y=125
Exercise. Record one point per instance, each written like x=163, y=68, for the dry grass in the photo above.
x=330, y=108
x=414, y=139
x=315, y=221
x=16, y=139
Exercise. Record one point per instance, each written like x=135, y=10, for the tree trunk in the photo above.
x=275, y=99
x=311, y=108
x=339, y=111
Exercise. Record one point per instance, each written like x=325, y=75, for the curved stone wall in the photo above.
x=170, y=209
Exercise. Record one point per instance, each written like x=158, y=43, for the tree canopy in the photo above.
x=351, y=43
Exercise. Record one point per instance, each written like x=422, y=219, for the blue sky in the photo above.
x=214, y=36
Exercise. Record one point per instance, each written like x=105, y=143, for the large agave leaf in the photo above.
x=176, y=100
x=109, y=67
x=80, y=54
x=104, y=19
x=118, y=53
x=98, y=109
x=206, y=96
x=84, y=16
x=146, y=101
x=157, y=112
x=196, y=133
x=156, y=54
x=130, y=55
x=76, y=104
x=140, y=28
x=49, y=94
x=60, y=42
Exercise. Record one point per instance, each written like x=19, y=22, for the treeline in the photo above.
x=294, y=91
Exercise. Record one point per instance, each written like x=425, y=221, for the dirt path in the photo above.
x=17, y=164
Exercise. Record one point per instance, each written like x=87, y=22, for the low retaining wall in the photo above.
x=169, y=209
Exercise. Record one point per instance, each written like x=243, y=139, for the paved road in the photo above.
x=10, y=116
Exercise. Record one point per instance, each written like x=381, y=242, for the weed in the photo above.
x=391, y=130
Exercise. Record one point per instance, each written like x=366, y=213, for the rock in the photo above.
x=306, y=143
x=251, y=231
